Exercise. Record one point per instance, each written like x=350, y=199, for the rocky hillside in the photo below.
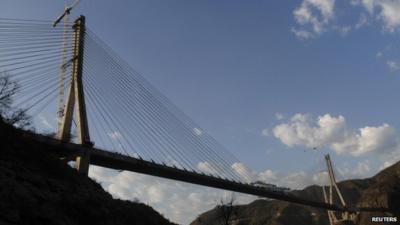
x=37, y=188
x=382, y=190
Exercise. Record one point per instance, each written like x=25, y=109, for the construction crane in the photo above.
x=67, y=11
x=65, y=17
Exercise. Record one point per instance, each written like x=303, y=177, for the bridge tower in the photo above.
x=76, y=100
x=346, y=218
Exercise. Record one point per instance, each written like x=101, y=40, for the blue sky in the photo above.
x=239, y=68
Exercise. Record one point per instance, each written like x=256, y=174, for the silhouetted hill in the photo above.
x=37, y=188
x=382, y=190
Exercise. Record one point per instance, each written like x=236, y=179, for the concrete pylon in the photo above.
x=76, y=100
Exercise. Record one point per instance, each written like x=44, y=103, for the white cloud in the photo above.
x=379, y=54
x=206, y=167
x=368, y=4
x=243, y=172
x=390, y=159
x=390, y=13
x=302, y=34
x=45, y=122
x=313, y=16
x=387, y=11
x=295, y=180
x=332, y=132
x=363, y=169
x=385, y=165
x=237, y=171
x=197, y=131
x=360, y=170
x=115, y=135
x=156, y=195
x=362, y=21
x=321, y=178
x=368, y=139
x=393, y=65
x=268, y=176
x=180, y=202
x=300, y=130
x=302, y=179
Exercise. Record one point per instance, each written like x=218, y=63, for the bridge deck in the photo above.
x=118, y=161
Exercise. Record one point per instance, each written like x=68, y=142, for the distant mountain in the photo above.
x=38, y=189
x=382, y=190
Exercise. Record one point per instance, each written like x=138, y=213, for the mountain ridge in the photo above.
x=381, y=190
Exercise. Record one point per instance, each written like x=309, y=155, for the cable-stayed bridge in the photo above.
x=105, y=113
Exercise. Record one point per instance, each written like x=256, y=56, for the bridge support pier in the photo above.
x=76, y=100
x=82, y=162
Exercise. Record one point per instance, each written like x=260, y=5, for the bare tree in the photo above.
x=11, y=115
x=227, y=209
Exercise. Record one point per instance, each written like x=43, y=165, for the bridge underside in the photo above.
x=121, y=162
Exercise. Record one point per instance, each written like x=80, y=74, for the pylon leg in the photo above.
x=82, y=162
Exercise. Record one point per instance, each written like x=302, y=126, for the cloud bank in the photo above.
x=302, y=130
x=314, y=17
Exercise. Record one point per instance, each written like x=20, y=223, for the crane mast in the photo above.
x=63, y=68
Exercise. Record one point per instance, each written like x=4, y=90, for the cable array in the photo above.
x=30, y=55
x=132, y=117
x=126, y=113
